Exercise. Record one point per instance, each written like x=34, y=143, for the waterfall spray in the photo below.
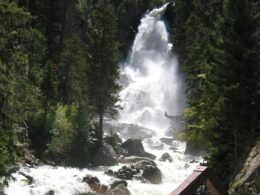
x=154, y=83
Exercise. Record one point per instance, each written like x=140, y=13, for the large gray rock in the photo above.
x=166, y=157
x=95, y=184
x=105, y=156
x=119, y=189
x=150, y=171
x=50, y=192
x=247, y=182
x=125, y=172
x=132, y=159
x=136, y=148
x=127, y=131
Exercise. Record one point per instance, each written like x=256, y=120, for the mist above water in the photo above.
x=151, y=81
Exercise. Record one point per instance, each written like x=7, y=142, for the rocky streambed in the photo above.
x=143, y=165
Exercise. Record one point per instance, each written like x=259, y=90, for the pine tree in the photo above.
x=13, y=73
x=236, y=85
x=102, y=51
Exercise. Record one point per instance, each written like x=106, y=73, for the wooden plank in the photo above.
x=199, y=176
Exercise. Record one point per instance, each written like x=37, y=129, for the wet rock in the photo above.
x=136, y=148
x=109, y=172
x=138, y=132
x=120, y=189
x=105, y=156
x=194, y=161
x=150, y=171
x=129, y=130
x=132, y=159
x=50, y=192
x=117, y=182
x=29, y=179
x=166, y=157
x=186, y=166
x=126, y=173
x=247, y=180
x=95, y=184
x=153, y=174
x=90, y=179
x=167, y=140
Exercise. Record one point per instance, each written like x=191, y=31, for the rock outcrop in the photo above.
x=166, y=157
x=144, y=170
x=247, y=182
x=118, y=187
x=136, y=148
x=150, y=171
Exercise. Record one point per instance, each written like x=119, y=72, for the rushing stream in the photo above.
x=152, y=86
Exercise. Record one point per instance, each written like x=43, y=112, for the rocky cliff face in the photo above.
x=247, y=182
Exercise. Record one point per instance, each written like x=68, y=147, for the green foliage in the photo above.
x=62, y=131
x=102, y=50
x=6, y=158
x=217, y=42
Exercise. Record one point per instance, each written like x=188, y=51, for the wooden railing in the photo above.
x=201, y=176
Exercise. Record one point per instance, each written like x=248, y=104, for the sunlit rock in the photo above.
x=136, y=148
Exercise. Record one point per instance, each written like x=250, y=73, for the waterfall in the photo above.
x=151, y=85
x=150, y=77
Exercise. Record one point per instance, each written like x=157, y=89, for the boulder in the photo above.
x=132, y=159
x=126, y=173
x=29, y=179
x=136, y=148
x=119, y=189
x=137, y=132
x=50, y=192
x=247, y=181
x=90, y=180
x=166, y=157
x=150, y=171
x=117, y=182
x=105, y=156
x=95, y=184
x=152, y=174
x=128, y=130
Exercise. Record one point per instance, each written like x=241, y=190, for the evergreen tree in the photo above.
x=102, y=51
x=13, y=74
x=236, y=81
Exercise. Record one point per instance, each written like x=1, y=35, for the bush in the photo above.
x=62, y=132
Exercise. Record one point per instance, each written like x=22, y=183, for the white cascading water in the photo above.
x=151, y=85
x=154, y=84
